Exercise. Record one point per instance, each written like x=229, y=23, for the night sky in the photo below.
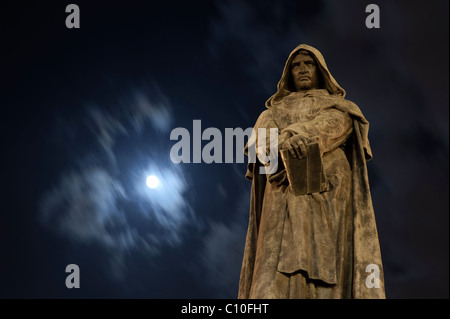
x=87, y=115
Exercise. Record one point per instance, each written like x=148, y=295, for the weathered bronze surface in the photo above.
x=312, y=229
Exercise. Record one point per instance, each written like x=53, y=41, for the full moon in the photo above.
x=152, y=181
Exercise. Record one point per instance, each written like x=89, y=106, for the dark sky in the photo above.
x=87, y=115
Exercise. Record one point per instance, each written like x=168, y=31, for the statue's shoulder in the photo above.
x=264, y=117
x=338, y=99
x=350, y=103
x=348, y=106
x=352, y=106
x=266, y=114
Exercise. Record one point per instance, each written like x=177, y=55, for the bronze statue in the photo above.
x=312, y=230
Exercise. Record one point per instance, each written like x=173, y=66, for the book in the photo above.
x=305, y=175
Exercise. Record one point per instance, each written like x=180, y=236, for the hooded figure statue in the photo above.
x=322, y=244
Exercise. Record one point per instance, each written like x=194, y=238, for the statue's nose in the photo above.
x=303, y=70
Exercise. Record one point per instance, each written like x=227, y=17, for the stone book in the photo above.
x=305, y=175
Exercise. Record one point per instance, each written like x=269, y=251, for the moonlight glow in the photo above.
x=152, y=181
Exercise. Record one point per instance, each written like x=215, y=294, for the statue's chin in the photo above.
x=303, y=87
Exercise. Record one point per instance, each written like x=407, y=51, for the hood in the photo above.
x=329, y=83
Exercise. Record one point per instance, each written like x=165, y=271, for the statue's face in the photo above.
x=304, y=72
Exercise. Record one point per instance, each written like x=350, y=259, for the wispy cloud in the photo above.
x=221, y=254
x=157, y=111
x=83, y=207
x=166, y=205
x=103, y=203
x=263, y=39
x=133, y=112
x=104, y=126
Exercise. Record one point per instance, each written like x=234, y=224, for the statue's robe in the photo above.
x=315, y=245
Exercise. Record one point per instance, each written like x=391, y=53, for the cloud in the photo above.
x=222, y=257
x=104, y=126
x=166, y=204
x=132, y=113
x=264, y=36
x=83, y=206
x=157, y=111
x=223, y=247
x=99, y=200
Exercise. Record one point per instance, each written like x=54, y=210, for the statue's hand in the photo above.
x=296, y=146
x=282, y=138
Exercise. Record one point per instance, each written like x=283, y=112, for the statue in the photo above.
x=312, y=231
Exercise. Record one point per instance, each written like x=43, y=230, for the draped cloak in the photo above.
x=319, y=245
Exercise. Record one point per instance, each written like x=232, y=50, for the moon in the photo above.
x=152, y=181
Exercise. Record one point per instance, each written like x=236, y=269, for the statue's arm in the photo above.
x=331, y=128
x=264, y=123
